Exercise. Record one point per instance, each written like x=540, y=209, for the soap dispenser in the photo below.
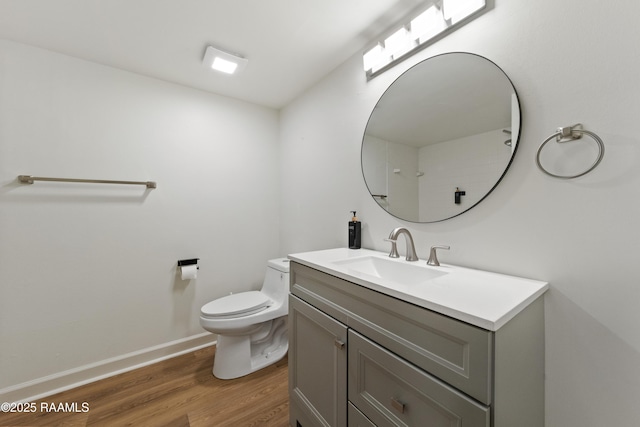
x=354, y=232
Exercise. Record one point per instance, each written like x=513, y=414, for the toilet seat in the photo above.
x=236, y=305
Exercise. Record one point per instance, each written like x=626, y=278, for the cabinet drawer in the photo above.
x=391, y=392
x=357, y=419
x=453, y=351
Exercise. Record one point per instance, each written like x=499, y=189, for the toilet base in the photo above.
x=240, y=355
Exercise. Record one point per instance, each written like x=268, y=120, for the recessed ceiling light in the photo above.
x=222, y=61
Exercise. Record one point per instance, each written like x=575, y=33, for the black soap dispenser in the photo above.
x=354, y=232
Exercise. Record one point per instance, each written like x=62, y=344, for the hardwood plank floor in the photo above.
x=179, y=392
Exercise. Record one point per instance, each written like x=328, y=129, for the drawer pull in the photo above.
x=339, y=344
x=397, y=405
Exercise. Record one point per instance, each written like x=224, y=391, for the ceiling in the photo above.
x=290, y=44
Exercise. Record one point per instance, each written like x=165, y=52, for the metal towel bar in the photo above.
x=571, y=133
x=28, y=179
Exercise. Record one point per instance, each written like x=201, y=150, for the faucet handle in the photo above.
x=433, y=256
x=394, y=248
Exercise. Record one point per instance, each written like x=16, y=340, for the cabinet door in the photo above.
x=392, y=392
x=317, y=367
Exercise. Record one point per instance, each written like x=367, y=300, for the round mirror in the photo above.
x=441, y=137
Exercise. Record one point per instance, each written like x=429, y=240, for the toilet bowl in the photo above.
x=251, y=326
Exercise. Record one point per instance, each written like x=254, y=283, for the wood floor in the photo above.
x=180, y=392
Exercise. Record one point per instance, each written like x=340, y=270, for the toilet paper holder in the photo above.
x=189, y=262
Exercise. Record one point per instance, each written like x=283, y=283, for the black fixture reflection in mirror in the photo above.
x=441, y=125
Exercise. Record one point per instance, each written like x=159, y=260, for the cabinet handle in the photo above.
x=339, y=344
x=397, y=405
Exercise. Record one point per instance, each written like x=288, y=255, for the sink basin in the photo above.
x=395, y=270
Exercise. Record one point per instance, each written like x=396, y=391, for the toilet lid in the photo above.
x=242, y=303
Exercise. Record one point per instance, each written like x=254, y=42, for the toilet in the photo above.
x=251, y=326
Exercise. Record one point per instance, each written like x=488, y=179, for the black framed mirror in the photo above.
x=441, y=137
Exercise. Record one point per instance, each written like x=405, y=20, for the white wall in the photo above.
x=570, y=61
x=390, y=169
x=88, y=272
x=402, y=168
x=473, y=164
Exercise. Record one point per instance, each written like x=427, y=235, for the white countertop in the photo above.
x=484, y=299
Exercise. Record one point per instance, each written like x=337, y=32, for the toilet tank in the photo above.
x=276, y=280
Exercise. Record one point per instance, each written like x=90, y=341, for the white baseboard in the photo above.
x=56, y=383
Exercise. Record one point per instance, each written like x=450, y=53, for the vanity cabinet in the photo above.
x=358, y=357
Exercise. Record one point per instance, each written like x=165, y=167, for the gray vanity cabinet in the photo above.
x=360, y=358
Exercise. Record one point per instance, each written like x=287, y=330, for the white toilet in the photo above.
x=251, y=326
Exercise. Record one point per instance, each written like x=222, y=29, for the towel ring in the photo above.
x=571, y=133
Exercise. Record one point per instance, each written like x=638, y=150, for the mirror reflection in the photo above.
x=441, y=137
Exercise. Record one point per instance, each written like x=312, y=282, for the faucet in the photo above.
x=393, y=238
x=433, y=256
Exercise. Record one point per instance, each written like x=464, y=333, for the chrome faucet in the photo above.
x=433, y=256
x=393, y=238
